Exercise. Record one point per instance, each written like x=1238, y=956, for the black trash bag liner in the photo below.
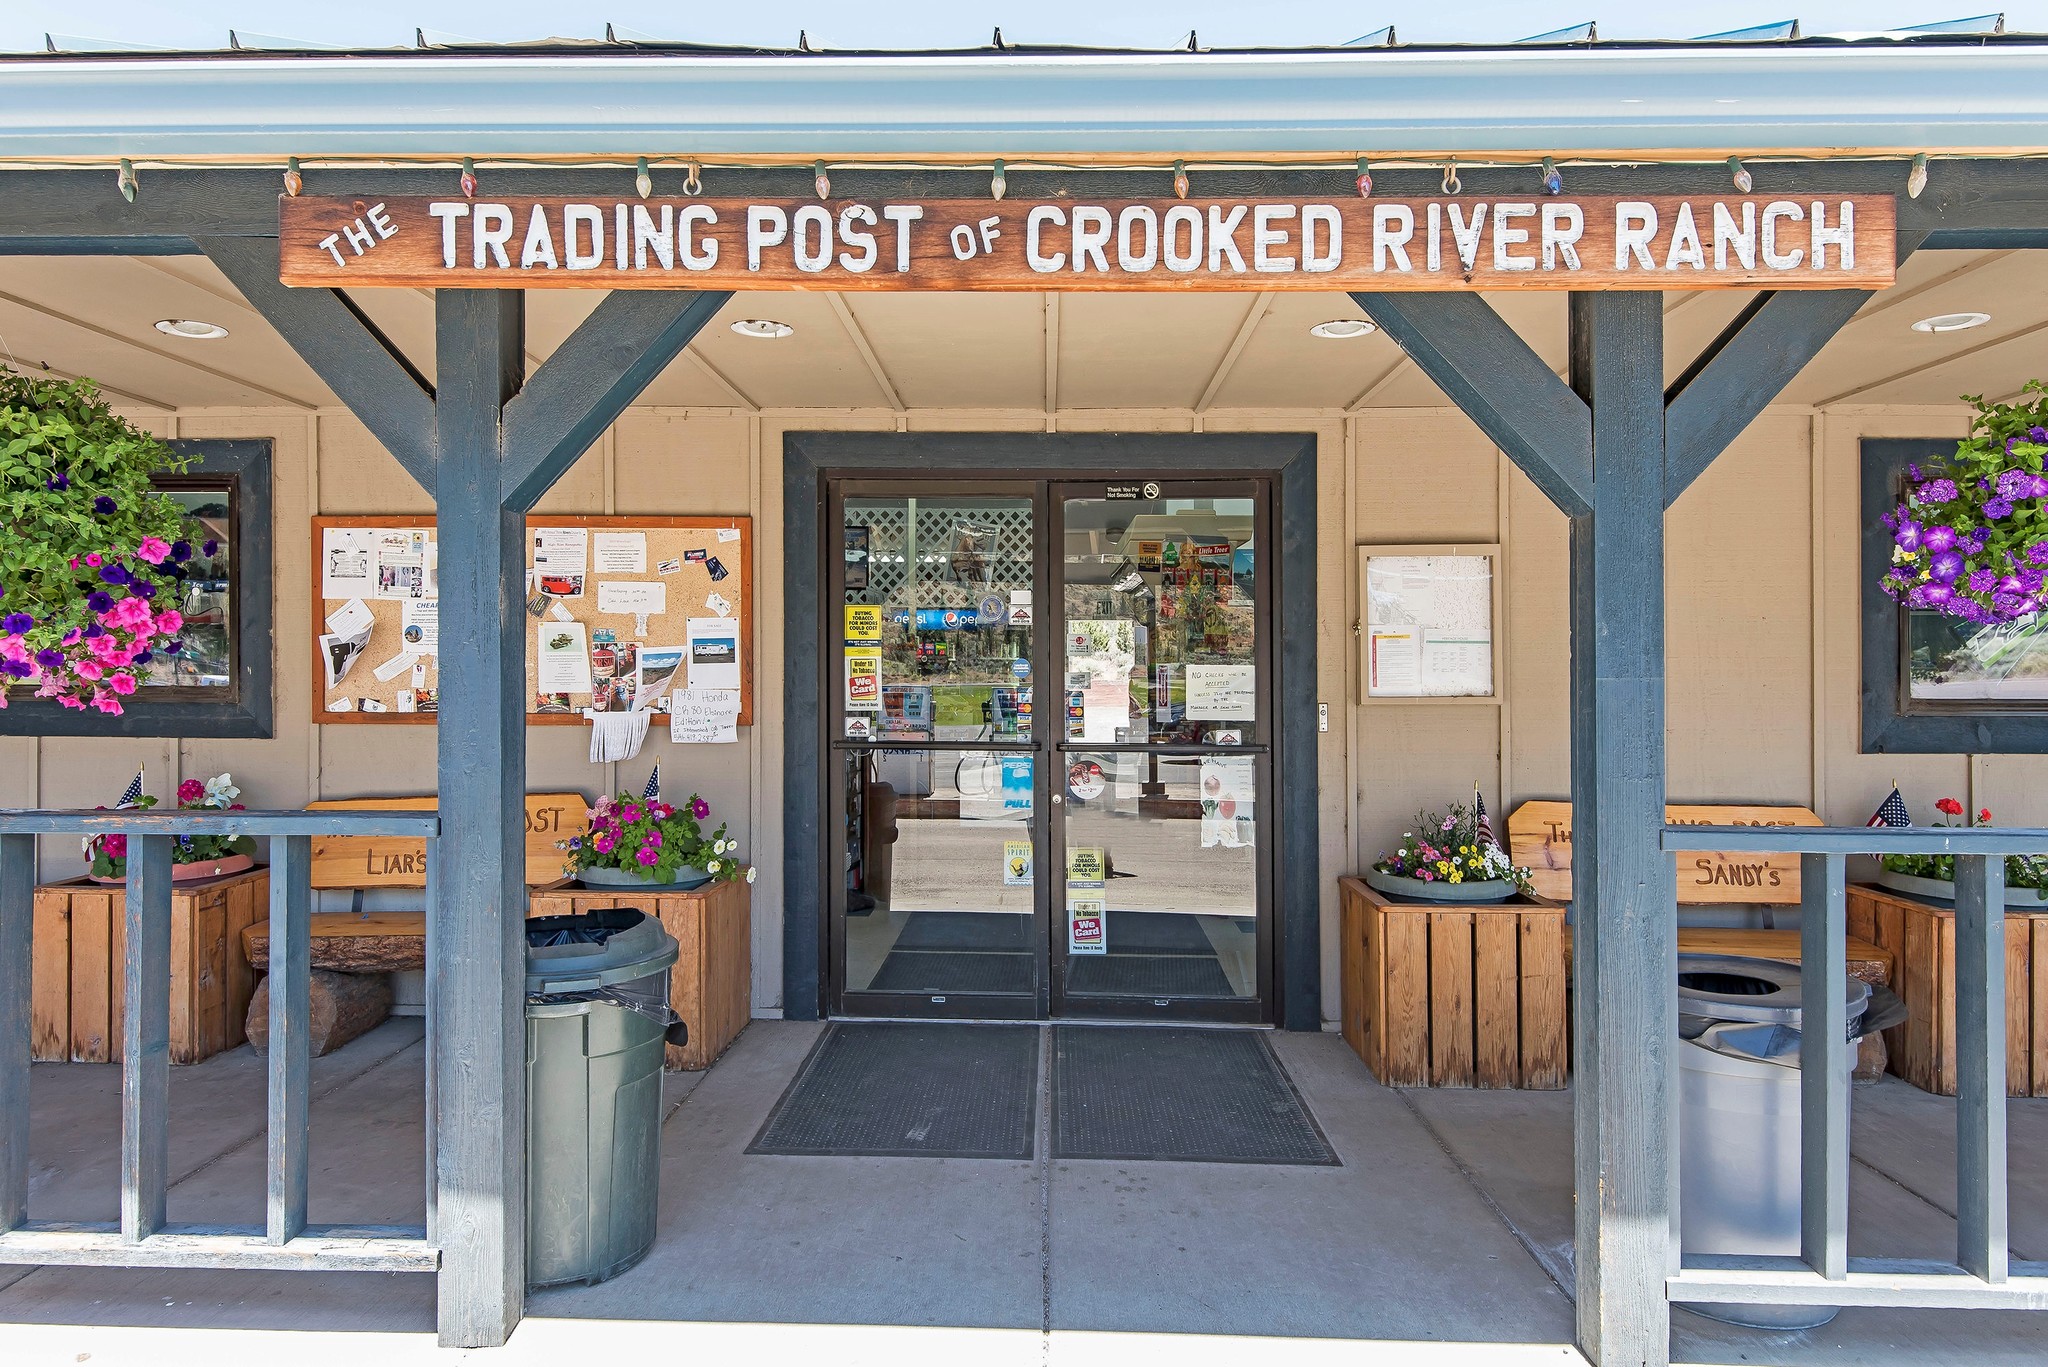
x=581, y=928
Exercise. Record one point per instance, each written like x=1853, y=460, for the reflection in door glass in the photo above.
x=1158, y=620
x=947, y=655
x=939, y=872
x=1161, y=876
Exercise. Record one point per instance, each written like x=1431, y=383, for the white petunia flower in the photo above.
x=711, y=867
x=750, y=873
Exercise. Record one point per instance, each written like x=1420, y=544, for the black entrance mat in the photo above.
x=965, y=930
x=1177, y=1095
x=942, y=971
x=1146, y=975
x=915, y=1091
x=1157, y=932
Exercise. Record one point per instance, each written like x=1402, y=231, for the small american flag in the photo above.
x=1479, y=814
x=133, y=793
x=1891, y=812
x=653, y=788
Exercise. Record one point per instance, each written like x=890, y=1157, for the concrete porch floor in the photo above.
x=1444, y=1237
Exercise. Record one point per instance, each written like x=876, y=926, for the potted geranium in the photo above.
x=1971, y=538
x=1933, y=876
x=652, y=846
x=93, y=554
x=1448, y=859
x=192, y=856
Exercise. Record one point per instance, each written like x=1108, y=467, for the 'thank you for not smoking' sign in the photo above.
x=1451, y=243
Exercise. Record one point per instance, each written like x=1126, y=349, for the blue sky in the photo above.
x=927, y=23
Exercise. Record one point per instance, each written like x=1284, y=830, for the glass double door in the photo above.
x=1050, y=748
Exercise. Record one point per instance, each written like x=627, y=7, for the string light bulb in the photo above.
x=1739, y=173
x=1180, y=180
x=127, y=181
x=293, y=181
x=468, y=178
x=998, y=183
x=643, y=178
x=1916, y=179
x=1364, y=179
x=1451, y=182
x=821, y=182
x=1553, y=179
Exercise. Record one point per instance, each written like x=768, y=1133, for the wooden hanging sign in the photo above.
x=1452, y=243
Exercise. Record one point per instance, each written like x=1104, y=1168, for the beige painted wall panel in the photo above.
x=357, y=475
x=1419, y=756
x=1425, y=475
x=682, y=464
x=1121, y=420
x=953, y=420
x=582, y=489
x=1738, y=636
x=1538, y=610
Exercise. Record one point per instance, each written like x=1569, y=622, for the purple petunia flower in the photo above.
x=58, y=482
x=16, y=623
x=1974, y=539
x=1982, y=581
x=2037, y=554
x=144, y=658
x=1939, y=539
x=1908, y=535
x=49, y=659
x=209, y=548
x=99, y=601
x=115, y=574
x=144, y=588
x=18, y=669
x=94, y=631
x=1998, y=508
x=174, y=645
x=1946, y=566
x=2014, y=484
x=181, y=550
x=2038, y=434
x=1936, y=491
x=103, y=505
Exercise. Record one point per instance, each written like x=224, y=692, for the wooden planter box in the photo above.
x=79, y=959
x=711, y=986
x=1454, y=996
x=1922, y=939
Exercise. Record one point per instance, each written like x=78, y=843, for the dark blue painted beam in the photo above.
x=1486, y=368
x=1624, y=904
x=476, y=917
x=344, y=348
x=582, y=388
x=98, y=246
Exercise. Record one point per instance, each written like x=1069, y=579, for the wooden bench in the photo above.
x=350, y=946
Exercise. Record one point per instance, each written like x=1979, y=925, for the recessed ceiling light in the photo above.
x=1952, y=322
x=762, y=327
x=1343, y=327
x=191, y=329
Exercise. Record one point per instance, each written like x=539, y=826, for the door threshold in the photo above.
x=1121, y=1022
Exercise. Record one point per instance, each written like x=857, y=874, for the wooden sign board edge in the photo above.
x=423, y=804
x=1783, y=862
x=596, y=521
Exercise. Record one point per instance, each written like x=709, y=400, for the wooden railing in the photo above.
x=143, y=1238
x=1983, y=1274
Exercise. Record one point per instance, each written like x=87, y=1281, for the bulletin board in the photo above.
x=683, y=569
x=1429, y=624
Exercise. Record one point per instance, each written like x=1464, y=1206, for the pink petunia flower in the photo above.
x=170, y=621
x=88, y=669
x=154, y=549
x=191, y=790
x=106, y=702
x=123, y=683
x=93, y=560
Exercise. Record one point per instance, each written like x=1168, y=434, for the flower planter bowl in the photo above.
x=1415, y=889
x=1943, y=891
x=687, y=879
x=194, y=872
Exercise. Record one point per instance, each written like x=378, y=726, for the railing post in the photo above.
x=146, y=1037
x=291, y=1047
x=1980, y=1066
x=1824, y=1065
x=17, y=919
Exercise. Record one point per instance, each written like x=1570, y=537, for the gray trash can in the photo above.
x=1738, y=1113
x=597, y=1016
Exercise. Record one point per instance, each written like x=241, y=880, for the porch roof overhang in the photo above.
x=1657, y=101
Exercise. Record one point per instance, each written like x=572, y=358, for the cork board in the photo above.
x=681, y=568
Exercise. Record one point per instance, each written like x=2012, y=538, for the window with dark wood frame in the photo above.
x=1901, y=645
x=222, y=688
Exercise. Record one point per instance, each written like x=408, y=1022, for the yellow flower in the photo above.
x=1456, y=876
x=1443, y=866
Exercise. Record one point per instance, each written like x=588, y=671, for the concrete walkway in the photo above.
x=1445, y=1237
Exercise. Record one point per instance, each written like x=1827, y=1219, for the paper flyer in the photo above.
x=564, y=665
x=401, y=565
x=1085, y=926
x=656, y=672
x=863, y=679
x=346, y=561
x=630, y=599
x=1222, y=692
x=705, y=716
x=561, y=550
x=420, y=625
x=714, y=644
x=393, y=667
x=1016, y=863
x=339, y=653
x=351, y=618
x=618, y=553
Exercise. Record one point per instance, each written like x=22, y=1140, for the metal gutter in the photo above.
x=1672, y=103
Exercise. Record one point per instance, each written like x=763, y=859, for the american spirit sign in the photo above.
x=1456, y=242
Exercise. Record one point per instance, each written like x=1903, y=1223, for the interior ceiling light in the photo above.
x=762, y=327
x=1343, y=327
x=191, y=329
x=1952, y=322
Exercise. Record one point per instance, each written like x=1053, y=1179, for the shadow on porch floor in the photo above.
x=1444, y=1237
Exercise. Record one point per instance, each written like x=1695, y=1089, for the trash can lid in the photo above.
x=1732, y=987
x=594, y=949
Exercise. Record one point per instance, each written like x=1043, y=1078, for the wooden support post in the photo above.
x=1981, y=1208
x=17, y=918
x=1824, y=1065
x=289, y=1042
x=1625, y=940
x=478, y=913
x=146, y=1038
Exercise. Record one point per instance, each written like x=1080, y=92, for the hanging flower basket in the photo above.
x=1971, y=539
x=1450, y=858
x=91, y=549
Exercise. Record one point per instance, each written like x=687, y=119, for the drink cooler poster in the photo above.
x=629, y=586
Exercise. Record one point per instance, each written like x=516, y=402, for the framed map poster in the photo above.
x=1429, y=623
